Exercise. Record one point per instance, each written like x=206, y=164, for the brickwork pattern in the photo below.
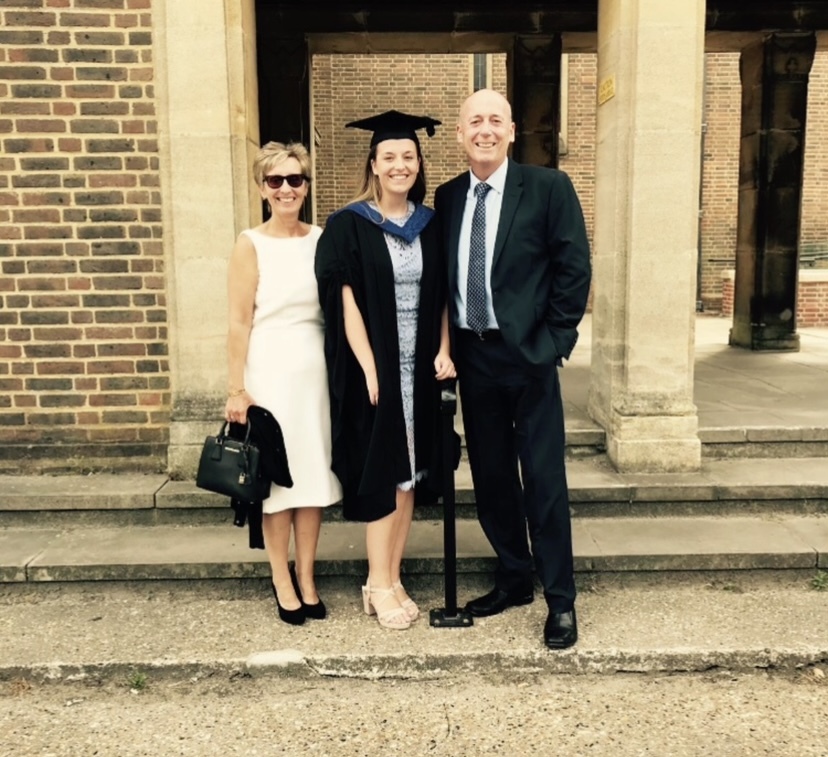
x=84, y=377
x=728, y=291
x=578, y=160
x=811, y=302
x=720, y=173
x=814, y=227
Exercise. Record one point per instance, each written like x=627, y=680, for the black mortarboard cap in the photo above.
x=395, y=125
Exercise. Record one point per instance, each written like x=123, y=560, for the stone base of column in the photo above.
x=186, y=441
x=760, y=338
x=654, y=444
x=194, y=418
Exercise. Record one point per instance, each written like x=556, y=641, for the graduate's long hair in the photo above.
x=370, y=188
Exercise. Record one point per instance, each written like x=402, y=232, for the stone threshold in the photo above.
x=590, y=480
x=743, y=622
x=601, y=545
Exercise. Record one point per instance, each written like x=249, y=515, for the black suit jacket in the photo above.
x=541, y=268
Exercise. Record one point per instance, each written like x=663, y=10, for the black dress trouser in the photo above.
x=513, y=418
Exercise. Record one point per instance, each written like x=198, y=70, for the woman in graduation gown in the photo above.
x=383, y=293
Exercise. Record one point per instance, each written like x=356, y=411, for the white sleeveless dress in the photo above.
x=285, y=370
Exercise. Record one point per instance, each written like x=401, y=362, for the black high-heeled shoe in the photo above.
x=293, y=617
x=317, y=611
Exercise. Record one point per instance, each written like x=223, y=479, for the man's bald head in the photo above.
x=486, y=98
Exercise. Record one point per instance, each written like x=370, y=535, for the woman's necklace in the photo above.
x=400, y=219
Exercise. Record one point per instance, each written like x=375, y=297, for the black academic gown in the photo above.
x=369, y=447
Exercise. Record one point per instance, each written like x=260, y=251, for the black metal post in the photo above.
x=449, y=616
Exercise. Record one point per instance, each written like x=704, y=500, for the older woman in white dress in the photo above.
x=276, y=360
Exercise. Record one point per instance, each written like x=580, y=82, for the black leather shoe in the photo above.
x=294, y=617
x=315, y=612
x=561, y=630
x=496, y=601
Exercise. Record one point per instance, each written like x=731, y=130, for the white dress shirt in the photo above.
x=494, y=201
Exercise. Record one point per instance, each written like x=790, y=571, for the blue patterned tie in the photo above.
x=477, y=316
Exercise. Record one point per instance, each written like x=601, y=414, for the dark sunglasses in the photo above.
x=294, y=180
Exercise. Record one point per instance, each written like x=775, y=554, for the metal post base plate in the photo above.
x=439, y=619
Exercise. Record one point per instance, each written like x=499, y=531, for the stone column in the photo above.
x=650, y=85
x=206, y=66
x=774, y=74
x=536, y=87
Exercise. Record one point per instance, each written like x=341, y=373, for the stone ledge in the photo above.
x=758, y=434
x=625, y=544
x=507, y=665
x=739, y=622
x=591, y=481
x=107, y=491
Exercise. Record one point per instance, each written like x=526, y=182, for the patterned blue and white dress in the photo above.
x=407, y=259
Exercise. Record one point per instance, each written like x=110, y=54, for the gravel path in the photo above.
x=680, y=715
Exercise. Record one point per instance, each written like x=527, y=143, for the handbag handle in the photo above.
x=222, y=434
x=244, y=460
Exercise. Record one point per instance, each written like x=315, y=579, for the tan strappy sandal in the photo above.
x=394, y=618
x=408, y=604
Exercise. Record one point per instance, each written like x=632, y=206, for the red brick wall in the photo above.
x=579, y=159
x=720, y=172
x=814, y=227
x=84, y=379
x=728, y=291
x=812, y=304
x=811, y=298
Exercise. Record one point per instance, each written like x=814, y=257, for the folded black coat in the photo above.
x=266, y=433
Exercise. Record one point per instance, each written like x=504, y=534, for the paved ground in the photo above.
x=680, y=716
x=732, y=387
x=726, y=665
x=674, y=716
x=643, y=623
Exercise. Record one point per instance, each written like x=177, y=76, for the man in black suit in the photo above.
x=519, y=275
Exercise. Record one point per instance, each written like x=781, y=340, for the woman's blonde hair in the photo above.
x=274, y=153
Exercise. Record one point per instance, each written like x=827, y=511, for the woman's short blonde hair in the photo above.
x=274, y=153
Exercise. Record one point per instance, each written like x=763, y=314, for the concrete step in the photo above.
x=719, y=443
x=601, y=545
x=721, y=487
x=585, y=438
x=733, y=621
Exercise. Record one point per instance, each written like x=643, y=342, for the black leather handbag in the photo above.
x=232, y=467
